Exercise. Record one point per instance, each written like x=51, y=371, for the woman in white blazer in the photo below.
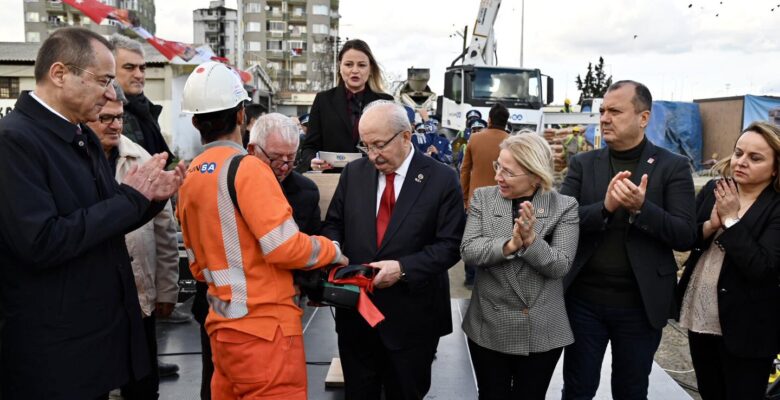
x=522, y=236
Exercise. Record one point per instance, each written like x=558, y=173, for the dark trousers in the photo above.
x=508, y=376
x=200, y=309
x=148, y=386
x=369, y=367
x=723, y=375
x=207, y=371
x=470, y=272
x=634, y=342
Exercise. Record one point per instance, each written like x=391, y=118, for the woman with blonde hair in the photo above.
x=522, y=237
x=729, y=290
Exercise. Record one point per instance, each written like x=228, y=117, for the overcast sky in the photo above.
x=712, y=48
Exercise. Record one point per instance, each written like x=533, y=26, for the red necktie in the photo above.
x=386, y=206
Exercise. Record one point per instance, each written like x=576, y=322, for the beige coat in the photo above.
x=153, y=247
x=477, y=169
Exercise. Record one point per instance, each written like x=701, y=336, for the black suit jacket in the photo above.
x=666, y=220
x=330, y=128
x=73, y=324
x=304, y=198
x=748, y=291
x=424, y=235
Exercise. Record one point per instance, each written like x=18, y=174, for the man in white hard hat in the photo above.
x=241, y=239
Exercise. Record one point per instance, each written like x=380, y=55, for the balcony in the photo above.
x=275, y=54
x=55, y=6
x=292, y=17
x=300, y=57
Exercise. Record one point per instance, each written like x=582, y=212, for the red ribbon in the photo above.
x=365, y=306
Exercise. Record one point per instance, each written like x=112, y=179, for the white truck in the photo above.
x=478, y=83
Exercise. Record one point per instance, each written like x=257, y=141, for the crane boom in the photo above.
x=482, y=50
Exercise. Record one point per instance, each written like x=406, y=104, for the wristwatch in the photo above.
x=729, y=222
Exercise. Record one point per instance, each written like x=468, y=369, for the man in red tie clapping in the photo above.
x=417, y=207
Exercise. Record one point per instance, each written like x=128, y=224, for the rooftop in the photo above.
x=22, y=52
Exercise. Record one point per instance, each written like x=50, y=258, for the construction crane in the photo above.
x=479, y=83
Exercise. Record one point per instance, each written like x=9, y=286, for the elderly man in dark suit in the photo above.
x=417, y=210
x=636, y=206
x=73, y=323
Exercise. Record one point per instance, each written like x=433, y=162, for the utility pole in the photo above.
x=522, y=30
x=240, y=36
x=465, y=35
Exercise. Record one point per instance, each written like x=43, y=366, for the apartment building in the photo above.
x=295, y=41
x=217, y=26
x=41, y=17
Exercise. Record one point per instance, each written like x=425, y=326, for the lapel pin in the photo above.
x=650, y=160
x=540, y=211
x=419, y=178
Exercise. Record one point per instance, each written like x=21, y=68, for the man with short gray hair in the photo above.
x=153, y=248
x=141, y=115
x=274, y=140
x=417, y=209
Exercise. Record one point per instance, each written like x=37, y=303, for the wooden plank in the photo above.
x=335, y=377
x=327, y=185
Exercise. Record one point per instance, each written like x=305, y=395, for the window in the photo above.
x=273, y=45
x=299, y=68
x=253, y=27
x=9, y=88
x=32, y=17
x=298, y=30
x=33, y=37
x=253, y=8
x=276, y=26
x=273, y=66
x=320, y=28
x=319, y=48
x=253, y=46
x=453, y=85
x=276, y=12
x=319, y=9
x=296, y=44
x=298, y=12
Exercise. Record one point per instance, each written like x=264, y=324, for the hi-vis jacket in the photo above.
x=246, y=258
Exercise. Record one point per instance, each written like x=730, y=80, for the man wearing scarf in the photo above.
x=141, y=115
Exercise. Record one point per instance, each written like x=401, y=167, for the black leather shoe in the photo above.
x=166, y=369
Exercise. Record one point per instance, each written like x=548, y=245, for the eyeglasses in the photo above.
x=109, y=119
x=278, y=162
x=377, y=147
x=104, y=81
x=504, y=172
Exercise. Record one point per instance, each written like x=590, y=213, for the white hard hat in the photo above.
x=212, y=86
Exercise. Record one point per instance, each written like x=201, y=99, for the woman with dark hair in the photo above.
x=334, y=116
x=729, y=290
